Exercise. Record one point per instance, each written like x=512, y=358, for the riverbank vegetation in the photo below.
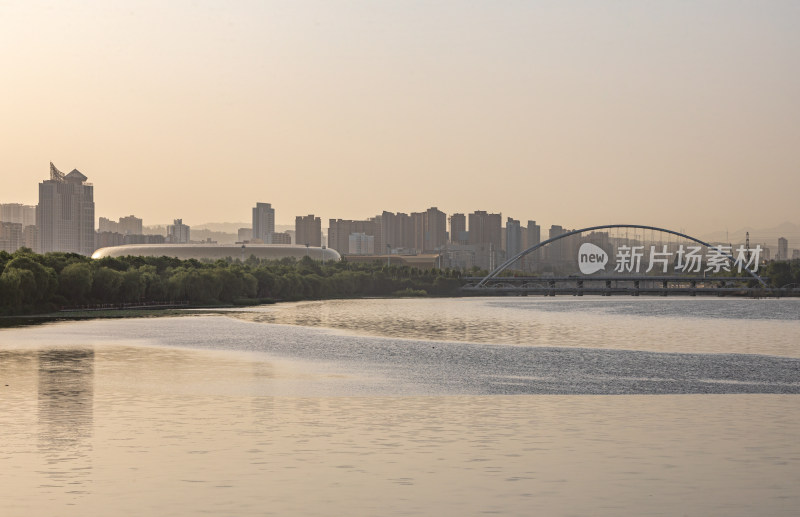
x=32, y=283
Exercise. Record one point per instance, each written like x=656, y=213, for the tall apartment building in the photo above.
x=556, y=251
x=783, y=249
x=263, y=222
x=406, y=229
x=430, y=229
x=485, y=228
x=178, y=233
x=435, y=230
x=18, y=213
x=395, y=230
x=513, y=238
x=18, y=223
x=485, y=234
x=418, y=229
x=339, y=231
x=308, y=230
x=130, y=225
x=531, y=236
x=381, y=238
x=107, y=225
x=11, y=236
x=30, y=237
x=458, y=229
x=65, y=213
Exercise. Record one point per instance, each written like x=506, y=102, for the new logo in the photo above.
x=591, y=258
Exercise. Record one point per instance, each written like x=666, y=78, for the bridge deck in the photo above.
x=617, y=278
x=609, y=285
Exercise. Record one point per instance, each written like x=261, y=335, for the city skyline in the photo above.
x=425, y=235
x=681, y=116
x=104, y=224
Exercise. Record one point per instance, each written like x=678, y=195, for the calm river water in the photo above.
x=509, y=406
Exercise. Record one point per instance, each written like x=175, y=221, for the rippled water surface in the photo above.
x=727, y=325
x=408, y=407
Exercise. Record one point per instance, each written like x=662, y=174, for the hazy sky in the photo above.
x=671, y=113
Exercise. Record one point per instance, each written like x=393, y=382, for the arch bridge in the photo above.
x=499, y=281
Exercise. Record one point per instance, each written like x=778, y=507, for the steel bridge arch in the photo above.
x=504, y=265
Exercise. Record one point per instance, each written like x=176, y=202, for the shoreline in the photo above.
x=180, y=309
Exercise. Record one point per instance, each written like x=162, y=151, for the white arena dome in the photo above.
x=217, y=251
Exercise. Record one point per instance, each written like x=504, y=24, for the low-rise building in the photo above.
x=107, y=239
x=279, y=238
x=459, y=256
x=361, y=244
x=244, y=234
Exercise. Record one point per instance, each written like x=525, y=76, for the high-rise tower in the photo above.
x=65, y=213
x=263, y=222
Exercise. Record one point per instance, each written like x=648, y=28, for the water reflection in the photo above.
x=65, y=416
x=176, y=431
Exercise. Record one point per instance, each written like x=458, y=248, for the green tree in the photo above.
x=106, y=285
x=133, y=286
x=75, y=282
x=42, y=282
x=249, y=285
x=203, y=286
x=780, y=273
x=176, y=285
x=11, y=289
x=230, y=283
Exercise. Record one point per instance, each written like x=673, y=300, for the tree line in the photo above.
x=783, y=273
x=34, y=283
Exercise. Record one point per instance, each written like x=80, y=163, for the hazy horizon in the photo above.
x=684, y=116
